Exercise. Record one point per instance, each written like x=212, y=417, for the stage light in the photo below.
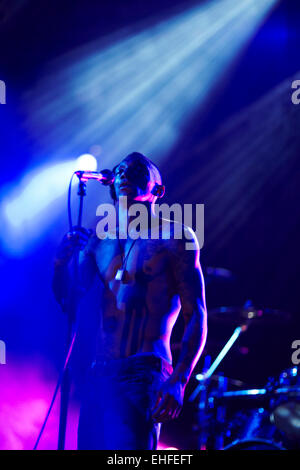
x=28, y=207
x=162, y=446
x=23, y=408
x=31, y=196
x=86, y=162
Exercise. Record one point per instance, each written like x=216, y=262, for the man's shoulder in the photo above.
x=177, y=235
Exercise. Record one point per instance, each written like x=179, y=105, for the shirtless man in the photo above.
x=132, y=386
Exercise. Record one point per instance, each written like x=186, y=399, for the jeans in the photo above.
x=116, y=408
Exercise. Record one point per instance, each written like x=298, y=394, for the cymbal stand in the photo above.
x=207, y=374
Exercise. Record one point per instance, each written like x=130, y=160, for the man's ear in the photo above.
x=158, y=190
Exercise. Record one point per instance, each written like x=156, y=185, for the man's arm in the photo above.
x=62, y=278
x=190, y=287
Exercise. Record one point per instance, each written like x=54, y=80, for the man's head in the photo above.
x=137, y=178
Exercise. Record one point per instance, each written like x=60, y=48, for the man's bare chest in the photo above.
x=141, y=260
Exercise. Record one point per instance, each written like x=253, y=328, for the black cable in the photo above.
x=60, y=378
x=69, y=204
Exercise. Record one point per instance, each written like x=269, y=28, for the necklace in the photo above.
x=121, y=273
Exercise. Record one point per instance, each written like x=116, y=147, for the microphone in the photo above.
x=105, y=177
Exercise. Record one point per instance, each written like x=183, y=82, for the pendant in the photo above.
x=120, y=274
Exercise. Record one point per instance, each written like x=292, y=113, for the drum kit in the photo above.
x=231, y=416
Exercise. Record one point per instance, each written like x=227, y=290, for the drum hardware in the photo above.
x=246, y=315
x=203, y=414
x=212, y=421
x=206, y=402
x=220, y=415
x=287, y=418
x=274, y=426
x=286, y=404
x=212, y=274
x=274, y=420
x=233, y=315
x=207, y=373
x=253, y=444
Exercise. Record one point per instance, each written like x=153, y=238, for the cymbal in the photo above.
x=217, y=377
x=247, y=313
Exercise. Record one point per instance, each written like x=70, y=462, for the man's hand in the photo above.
x=169, y=402
x=77, y=239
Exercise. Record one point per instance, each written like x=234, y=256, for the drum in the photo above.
x=255, y=431
x=253, y=444
x=275, y=422
x=286, y=404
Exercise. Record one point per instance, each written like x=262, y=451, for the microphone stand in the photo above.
x=106, y=177
x=72, y=328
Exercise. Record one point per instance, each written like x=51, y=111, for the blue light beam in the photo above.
x=138, y=92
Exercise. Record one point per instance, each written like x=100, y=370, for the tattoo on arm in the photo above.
x=189, y=284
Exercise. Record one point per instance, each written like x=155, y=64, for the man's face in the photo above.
x=134, y=180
